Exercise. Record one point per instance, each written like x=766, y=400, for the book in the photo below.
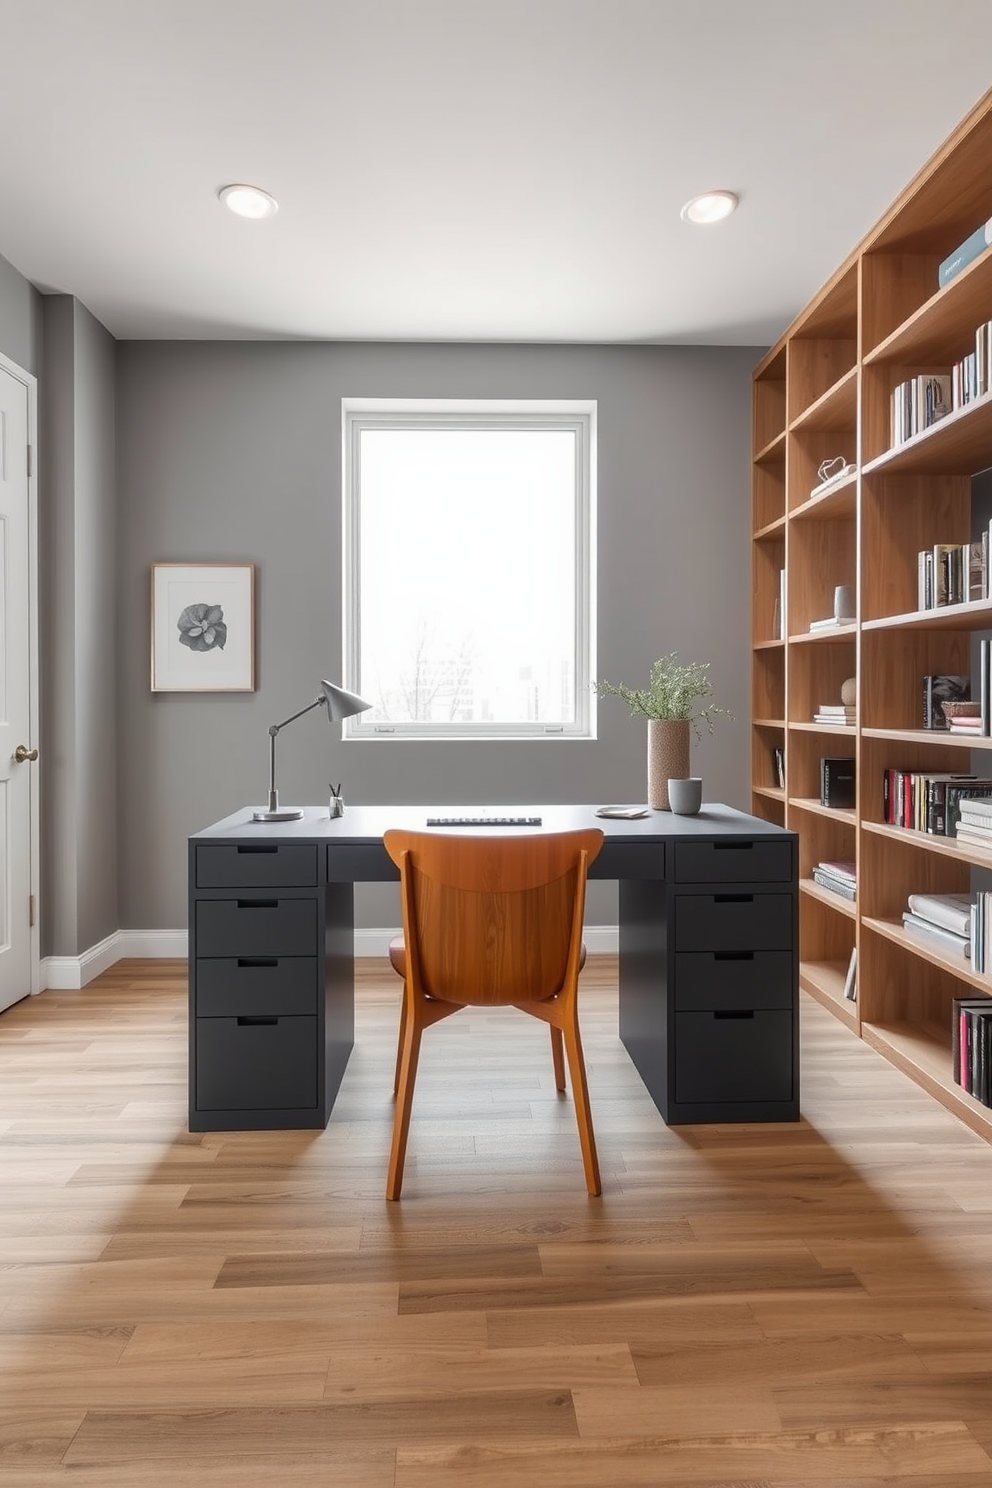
x=851, y=980
x=978, y=824
x=953, y=911
x=834, y=721
x=837, y=782
x=959, y=944
x=839, y=867
x=980, y=808
x=778, y=764
x=970, y=838
x=985, y=684
x=942, y=688
x=965, y=253
x=841, y=886
x=831, y=622
x=954, y=795
x=836, y=710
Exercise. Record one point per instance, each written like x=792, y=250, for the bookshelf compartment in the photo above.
x=901, y=516
x=818, y=679
x=893, y=666
x=807, y=452
x=821, y=381
x=769, y=400
x=894, y=287
x=822, y=555
x=768, y=501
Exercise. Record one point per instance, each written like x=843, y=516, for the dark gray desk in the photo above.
x=708, y=958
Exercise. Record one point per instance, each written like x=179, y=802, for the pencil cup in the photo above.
x=685, y=796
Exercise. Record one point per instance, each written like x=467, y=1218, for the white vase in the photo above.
x=668, y=758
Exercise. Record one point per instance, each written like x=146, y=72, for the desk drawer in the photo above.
x=710, y=981
x=256, y=1066
x=733, y=922
x=629, y=860
x=263, y=865
x=734, y=860
x=733, y=1056
x=256, y=927
x=255, y=986
x=359, y=862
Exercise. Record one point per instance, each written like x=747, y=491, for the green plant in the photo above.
x=674, y=691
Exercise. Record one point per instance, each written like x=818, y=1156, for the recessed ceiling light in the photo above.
x=712, y=206
x=248, y=201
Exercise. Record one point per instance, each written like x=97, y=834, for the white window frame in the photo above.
x=577, y=415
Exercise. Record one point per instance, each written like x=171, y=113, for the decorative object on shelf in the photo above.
x=685, y=795
x=202, y=627
x=671, y=704
x=849, y=692
x=339, y=704
x=844, y=605
x=836, y=469
x=941, y=689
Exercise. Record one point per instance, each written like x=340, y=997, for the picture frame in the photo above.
x=203, y=627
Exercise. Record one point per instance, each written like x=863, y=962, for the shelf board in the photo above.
x=959, y=444
x=827, y=896
x=975, y=614
x=824, y=981
x=945, y=847
x=945, y=321
x=773, y=792
x=818, y=637
x=923, y=1051
x=835, y=813
x=775, y=723
x=957, y=965
x=929, y=736
x=771, y=531
x=834, y=503
x=825, y=728
x=773, y=452
x=835, y=409
x=766, y=645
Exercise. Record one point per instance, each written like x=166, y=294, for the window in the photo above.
x=468, y=555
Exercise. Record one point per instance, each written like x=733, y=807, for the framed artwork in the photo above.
x=203, y=627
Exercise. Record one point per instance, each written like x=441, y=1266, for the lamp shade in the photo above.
x=340, y=702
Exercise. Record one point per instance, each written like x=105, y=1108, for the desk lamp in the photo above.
x=339, y=704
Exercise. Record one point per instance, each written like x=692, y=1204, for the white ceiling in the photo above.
x=465, y=169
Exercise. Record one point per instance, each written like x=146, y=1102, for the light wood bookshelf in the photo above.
x=825, y=390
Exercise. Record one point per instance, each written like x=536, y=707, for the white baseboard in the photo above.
x=68, y=973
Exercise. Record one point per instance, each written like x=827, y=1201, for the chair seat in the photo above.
x=397, y=955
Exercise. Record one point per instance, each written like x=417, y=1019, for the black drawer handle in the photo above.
x=258, y=961
x=257, y=1022
x=261, y=847
x=721, y=956
x=258, y=903
x=733, y=898
x=732, y=846
x=732, y=1013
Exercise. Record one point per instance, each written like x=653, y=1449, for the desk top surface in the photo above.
x=366, y=824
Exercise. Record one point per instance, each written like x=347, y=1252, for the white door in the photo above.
x=18, y=691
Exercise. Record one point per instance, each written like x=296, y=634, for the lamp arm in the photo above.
x=273, y=731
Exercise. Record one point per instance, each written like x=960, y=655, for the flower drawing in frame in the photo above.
x=202, y=627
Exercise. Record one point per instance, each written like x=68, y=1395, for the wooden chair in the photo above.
x=490, y=921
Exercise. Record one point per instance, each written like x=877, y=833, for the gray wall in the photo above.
x=78, y=625
x=20, y=319
x=233, y=451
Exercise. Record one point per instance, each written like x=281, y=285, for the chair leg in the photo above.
x=408, y=1057
x=583, y=1114
x=558, y=1058
x=400, y=1041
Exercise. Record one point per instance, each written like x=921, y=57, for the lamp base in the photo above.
x=281, y=813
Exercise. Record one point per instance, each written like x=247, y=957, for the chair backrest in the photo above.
x=493, y=919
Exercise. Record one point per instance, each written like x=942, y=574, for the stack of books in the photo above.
x=974, y=824
x=919, y=403
x=966, y=724
x=944, y=920
x=952, y=573
x=926, y=801
x=838, y=876
x=971, y=1046
x=942, y=688
x=835, y=713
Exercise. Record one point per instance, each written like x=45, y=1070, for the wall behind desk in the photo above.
x=233, y=451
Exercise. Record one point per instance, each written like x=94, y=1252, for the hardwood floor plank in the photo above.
x=430, y=1372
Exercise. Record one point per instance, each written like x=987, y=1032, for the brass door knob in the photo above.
x=22, y=753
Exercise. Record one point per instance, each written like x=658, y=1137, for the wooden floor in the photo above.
x=745, y=1306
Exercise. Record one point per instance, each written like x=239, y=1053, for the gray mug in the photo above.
x=685, y=796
